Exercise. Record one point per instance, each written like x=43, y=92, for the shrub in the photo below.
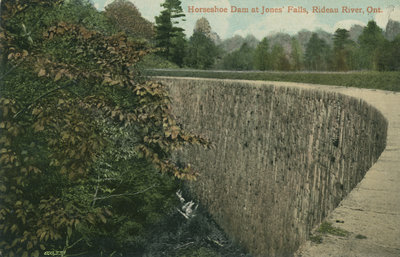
x=84, y=137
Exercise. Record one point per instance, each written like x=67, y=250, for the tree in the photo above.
x=177, y=52
x=343, y=49
x=388, y=58
x=296, y=55
x=370, y=42
x=317, y=54
x=262, y=58
x=84, y=138
x=203, y=26
x=241, y=59
x=201, y=51
x=168, y=36
x=278, y=58
x=127, y=17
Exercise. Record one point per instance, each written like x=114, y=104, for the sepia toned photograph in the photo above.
x=200, y=128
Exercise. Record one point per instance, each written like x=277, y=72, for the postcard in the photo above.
x=199, y=128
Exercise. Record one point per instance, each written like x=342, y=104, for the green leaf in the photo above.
x=35, y=253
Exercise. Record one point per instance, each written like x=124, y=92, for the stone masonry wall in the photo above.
x=283, y=158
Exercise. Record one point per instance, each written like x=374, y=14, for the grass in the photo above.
x=359, y=236
x=156, y=62
x=328, y=228
x=316, y=239
x=367, y=79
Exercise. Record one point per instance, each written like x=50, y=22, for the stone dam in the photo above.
x=284, y=156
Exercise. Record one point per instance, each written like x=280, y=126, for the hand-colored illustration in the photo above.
x=207, y=128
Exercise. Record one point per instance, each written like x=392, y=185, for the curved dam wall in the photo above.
x=284, y=157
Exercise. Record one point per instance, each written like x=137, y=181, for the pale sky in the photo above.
x=261, y=25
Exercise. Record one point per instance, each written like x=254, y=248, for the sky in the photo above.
x=260, y=25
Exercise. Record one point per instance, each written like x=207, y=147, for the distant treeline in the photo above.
x=371, y=51
x=360, y=48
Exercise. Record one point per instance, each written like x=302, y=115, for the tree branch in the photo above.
x=126, y=194
x=77, y=241
x=97, y=189
x=40, y=97
x=184, y=245
x=76, y=254
x=11, y=69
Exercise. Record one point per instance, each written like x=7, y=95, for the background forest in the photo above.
x=359, y=48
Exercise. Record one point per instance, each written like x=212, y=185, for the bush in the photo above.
x=84, y=137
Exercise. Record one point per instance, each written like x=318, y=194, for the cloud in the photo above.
x=219, y=22
x=392, y=12
x=347, y=24
x=283, y=22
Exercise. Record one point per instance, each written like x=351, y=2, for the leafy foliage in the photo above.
x=317, y=54
x=203, y=26
x=83, y=136
x=241, y=59
x=201, y=51
x=127, y=18
x=296, y=55
x=343, y=50
x=156, y=61
x=388, y=56
x=280, y=61
x=370, y=41
x=262, y=58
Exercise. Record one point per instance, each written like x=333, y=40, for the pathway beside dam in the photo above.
x=371, y=212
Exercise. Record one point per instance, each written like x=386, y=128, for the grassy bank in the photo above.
x=370, y=79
